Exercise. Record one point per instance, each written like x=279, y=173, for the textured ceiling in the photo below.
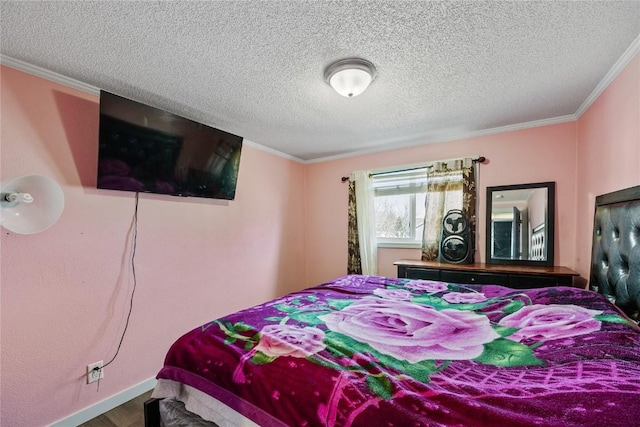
x=256, y=68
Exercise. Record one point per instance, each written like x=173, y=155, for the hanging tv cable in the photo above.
x=133, y=272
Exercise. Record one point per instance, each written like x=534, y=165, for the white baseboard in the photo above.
x=106, y=405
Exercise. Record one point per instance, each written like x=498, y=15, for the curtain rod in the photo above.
x=480, y=159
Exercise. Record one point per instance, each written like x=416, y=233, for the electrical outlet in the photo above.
x=95, y=372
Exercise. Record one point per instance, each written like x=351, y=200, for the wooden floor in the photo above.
x=128, y=414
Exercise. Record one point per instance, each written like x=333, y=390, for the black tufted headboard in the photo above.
x=615, y=256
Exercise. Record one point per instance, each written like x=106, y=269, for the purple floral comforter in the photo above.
x=375, y=351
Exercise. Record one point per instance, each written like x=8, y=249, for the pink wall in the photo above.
x=608, y=152
x=532, y=155
x=65, y=291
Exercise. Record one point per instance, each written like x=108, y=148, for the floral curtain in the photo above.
x=451, y=185
x=354, y=265
x=362, y=245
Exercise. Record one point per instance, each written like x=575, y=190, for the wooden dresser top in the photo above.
x=490, y=268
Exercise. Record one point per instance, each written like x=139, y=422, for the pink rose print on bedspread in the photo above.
x=547, y=322
x=282, y=340
x=425, y=285
x=397, y=294
x=464, y=297
x=290, y=340
x=413, y=332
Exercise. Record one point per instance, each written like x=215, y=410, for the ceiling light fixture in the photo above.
x=350, y=77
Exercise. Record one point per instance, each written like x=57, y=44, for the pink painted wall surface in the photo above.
x=532, y=155
x=608, y=152
x=65, y=291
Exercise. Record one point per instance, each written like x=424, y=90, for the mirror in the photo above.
x=520, y=224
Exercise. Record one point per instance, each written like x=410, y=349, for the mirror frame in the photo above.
x=549, y=224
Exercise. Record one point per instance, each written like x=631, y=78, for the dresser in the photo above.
x=513, y=276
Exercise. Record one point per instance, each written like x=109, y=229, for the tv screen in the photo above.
x=145, y=149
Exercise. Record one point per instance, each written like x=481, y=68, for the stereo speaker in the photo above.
x=455, y=242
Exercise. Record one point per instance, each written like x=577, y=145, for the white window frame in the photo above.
x=407, y=243
x=404, y=177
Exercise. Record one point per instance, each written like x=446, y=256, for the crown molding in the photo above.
x=423, y=140
x=48, y=75
x=273, y=151
x=617, y=68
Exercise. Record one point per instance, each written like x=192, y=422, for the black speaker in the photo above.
x=455, y=241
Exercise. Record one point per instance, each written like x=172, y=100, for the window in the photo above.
x=400, y=204
x=400, y=207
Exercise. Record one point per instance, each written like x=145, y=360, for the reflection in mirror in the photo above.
x=520, y=224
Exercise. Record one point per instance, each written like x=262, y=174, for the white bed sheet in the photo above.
x=201, y=404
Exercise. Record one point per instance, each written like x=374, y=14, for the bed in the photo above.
x=381, y=351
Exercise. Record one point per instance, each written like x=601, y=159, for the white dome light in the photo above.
x=350, y=77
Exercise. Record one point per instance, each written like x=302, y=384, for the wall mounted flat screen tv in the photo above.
x=145, y=149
